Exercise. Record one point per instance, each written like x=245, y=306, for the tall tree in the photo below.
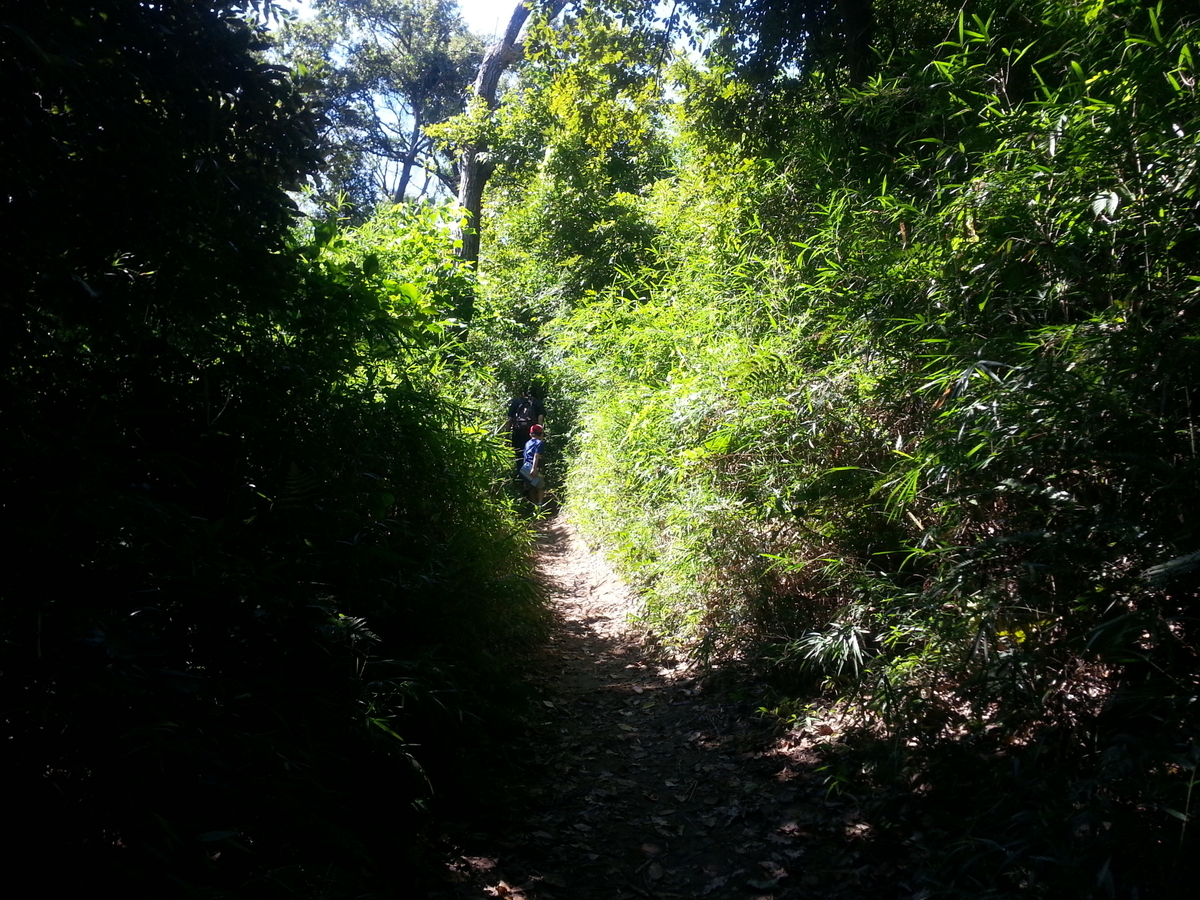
x=383, y=70
x=475, y=164
x=760, y=38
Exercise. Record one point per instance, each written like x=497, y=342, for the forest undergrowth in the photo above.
x=264, y=587
x=868, y=340
x=886, y=393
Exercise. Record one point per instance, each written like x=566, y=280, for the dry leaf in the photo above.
x=773, y=869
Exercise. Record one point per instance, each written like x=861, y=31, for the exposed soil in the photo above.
x=643, y=781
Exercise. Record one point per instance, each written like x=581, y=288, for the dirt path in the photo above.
x=642, y=783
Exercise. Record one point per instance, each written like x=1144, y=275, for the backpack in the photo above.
x=523, y=410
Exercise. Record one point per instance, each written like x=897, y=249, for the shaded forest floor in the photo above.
x=637, y=778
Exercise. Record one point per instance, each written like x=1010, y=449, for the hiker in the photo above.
x=524, y=412
x=531, y=466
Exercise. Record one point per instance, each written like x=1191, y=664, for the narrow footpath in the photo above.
x=643, y=782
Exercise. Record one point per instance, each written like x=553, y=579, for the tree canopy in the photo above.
x=382, y=70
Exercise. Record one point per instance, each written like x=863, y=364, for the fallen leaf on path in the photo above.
x=773, y=869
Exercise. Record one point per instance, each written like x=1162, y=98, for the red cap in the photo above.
x=535, y=429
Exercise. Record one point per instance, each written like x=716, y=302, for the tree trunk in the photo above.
x=858, y=20
x=474, y=165
x=410, y=159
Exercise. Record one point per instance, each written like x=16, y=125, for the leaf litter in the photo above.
x=701, y=798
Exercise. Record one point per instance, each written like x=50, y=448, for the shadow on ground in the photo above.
x=638, y=782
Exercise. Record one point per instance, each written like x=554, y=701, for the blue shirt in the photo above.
x=532, y=448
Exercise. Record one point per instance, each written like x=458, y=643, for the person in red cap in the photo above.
x=531, y=466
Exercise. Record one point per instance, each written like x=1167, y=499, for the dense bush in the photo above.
x=898, y=400
x=261, y=586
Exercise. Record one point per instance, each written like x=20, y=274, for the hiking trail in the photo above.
x=643, y=782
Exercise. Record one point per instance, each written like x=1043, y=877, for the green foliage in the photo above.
x=381, y=71
x=403, y=258
x=261, y=581
x=897, y=396
x=578, y=146
x=574, y=148
x=886, y=389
